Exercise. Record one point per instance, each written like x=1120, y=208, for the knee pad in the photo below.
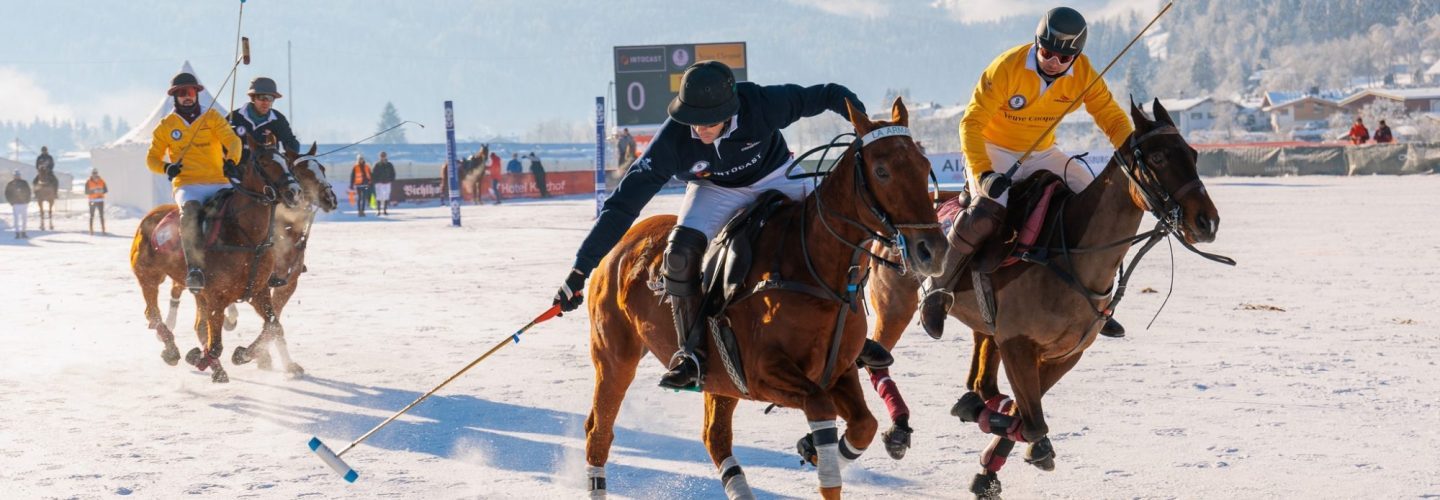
x=683, y=252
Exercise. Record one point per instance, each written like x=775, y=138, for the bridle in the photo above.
x=892, y=237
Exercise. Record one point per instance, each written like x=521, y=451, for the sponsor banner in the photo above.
x=949, y=168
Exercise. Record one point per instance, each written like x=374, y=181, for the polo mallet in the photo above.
x=1071, y=107
x=332, y=458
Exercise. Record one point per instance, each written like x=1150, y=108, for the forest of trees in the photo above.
x=59, y=135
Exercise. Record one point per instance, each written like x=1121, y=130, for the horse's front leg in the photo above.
x=210, y=317
x=820, y=413
x=719, y=415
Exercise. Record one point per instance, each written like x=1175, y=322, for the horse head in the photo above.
x=272, y=179
x=310, y=173
x=892, y=176
x=1164, y=179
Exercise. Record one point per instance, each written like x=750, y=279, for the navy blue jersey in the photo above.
x=750, y=148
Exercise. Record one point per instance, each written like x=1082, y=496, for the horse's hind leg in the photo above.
x=984, y=367
x=259, y=349
x=894, y=299
x=616, y=352
x=281, y=297
x=719, y=415
x=150, y=289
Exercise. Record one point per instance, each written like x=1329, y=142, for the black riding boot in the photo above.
x=683, y=255
x=972, y=227
x=190, y=242
x=1112, y=329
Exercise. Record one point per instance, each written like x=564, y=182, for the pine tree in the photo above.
x=390, y=118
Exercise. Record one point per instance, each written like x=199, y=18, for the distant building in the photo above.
x=1420, y=100
x=1288, y=110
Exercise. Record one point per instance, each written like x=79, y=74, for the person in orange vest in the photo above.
x=95, y=190
x=360, y=182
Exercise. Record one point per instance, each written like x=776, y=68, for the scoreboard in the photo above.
x=647, y=77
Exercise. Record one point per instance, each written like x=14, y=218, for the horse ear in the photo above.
x=312, y=150
x=898, y=114
x=1138, y=115
x=1160, y=114
x=857, y=119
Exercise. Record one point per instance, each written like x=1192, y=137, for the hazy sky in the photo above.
x=507, y=64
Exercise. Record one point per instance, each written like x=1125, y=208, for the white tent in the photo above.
x=122, y=163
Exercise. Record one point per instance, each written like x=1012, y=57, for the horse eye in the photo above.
x=1157, y=158
x=882, y=172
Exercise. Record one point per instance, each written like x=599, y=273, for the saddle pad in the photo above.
x=1034, y=222
x=165, y=237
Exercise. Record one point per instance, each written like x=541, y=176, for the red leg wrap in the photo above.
x=163, y=333
x=885, y=387
x=993, y=458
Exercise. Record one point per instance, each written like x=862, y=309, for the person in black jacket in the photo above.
x=723, y=138
x=383, y=174
x=17, y=194
x=537, y=171
x=259, y=118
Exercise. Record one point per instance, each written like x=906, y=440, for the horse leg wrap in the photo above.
x=827, y=452
x=993, y=458
x=163, y=333
x=597, y=481
x=733, y=478
x=890, y=393
x=848, y=452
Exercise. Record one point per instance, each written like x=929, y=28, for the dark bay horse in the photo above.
x=1042, y=325
x=47, y=190
x=789, y=341
x=292, y=237
x=235, y=266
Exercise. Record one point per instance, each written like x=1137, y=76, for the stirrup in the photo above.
x=677, y=369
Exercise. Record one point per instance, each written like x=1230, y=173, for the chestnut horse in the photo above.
x=1042, y=325
x=235, y=266
x=47, y=190
x=789, y=341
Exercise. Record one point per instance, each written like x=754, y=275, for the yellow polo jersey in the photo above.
x=214, y=141
x=1011, y=107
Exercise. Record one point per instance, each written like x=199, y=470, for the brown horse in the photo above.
x=292, y=238
x=789, y=341
x=474, y=172
x=234, y=266
x=1042, y=325
x=47, y=190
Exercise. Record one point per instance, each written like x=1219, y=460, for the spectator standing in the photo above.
x=95, y=190
x=495, y=176
x=1383, y=135
x=514, y=167
x=538, y=171
x=360, y=181
x=1358, y=133
x=384, y=175
x=625, y=149
x=17, y=194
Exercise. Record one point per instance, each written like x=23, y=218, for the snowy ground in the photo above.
x=1306, y=372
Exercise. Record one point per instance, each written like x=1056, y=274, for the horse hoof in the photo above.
x=806, y=448
x=171, y=356
x=967, y=409
x=1041, y=454
x=193, y=357
x=896, y=440
x=294, y=370
x=241, y=356
x=220, y=377
x=986, y=486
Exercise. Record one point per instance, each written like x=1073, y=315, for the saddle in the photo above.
x=724, y=276
x=1036, y=204
x=165, y=237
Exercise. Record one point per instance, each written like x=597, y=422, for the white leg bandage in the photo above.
x=736, y=487
x=848, y=452
x=827, y=451
x=596, y=477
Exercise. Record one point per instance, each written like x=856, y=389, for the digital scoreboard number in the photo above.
x=647, y=77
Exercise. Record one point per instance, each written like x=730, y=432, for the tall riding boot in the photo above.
x=683, y=255
x=190, y=242
x=972, y=227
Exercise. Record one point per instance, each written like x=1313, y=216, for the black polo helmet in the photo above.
x=183, y=80
x=1062, y=31
x=263, y=86
x=707, y=95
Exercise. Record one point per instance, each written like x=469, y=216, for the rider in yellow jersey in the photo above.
x=192, y=146
x=1019, y=96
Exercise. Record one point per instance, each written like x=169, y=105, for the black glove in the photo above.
x=173, y=169
x=571, y=294
x=231, y=170
x=994, y=184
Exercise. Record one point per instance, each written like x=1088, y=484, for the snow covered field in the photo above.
x=1308, y=371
